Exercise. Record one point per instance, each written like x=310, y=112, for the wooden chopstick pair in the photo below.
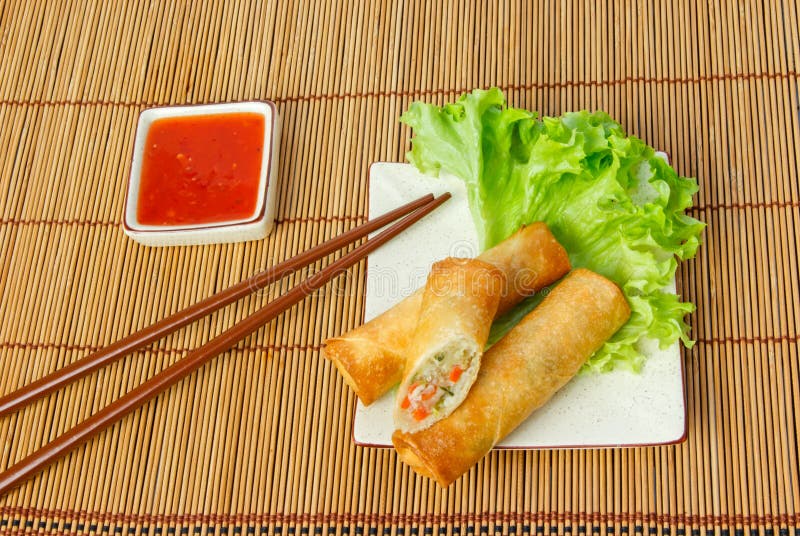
x=22, y=470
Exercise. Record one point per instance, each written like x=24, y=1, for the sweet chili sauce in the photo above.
x=201, y=169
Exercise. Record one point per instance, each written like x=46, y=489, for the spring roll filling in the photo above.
x=432, y=388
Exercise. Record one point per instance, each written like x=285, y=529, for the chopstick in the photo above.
x=33, y=463
x=86, y=365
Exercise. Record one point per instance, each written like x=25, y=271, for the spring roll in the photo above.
x=372, y=357
x=519, y=374
x=458, y=305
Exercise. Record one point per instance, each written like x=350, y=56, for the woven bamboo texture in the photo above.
x=259, y=440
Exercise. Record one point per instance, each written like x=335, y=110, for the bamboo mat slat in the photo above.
x=259, y=440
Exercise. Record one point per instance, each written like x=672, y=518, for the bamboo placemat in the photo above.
x=259, y=441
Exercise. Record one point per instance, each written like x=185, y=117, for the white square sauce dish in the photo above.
x=203, y=174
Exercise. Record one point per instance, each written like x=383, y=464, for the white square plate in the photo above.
x=594, y=410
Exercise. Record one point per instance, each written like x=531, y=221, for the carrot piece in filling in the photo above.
x=455, y=374
x=420, y=413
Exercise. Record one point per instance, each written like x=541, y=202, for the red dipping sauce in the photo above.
x=201, y=169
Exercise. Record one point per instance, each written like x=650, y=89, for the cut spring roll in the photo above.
x=458, y=305
x=372, y=357
x=519, y=374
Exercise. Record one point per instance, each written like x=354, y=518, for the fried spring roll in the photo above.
x=519, y=374
x=372, y=357
x=459, y=303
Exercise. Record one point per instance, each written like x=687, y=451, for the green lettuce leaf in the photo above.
x=616, y=206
